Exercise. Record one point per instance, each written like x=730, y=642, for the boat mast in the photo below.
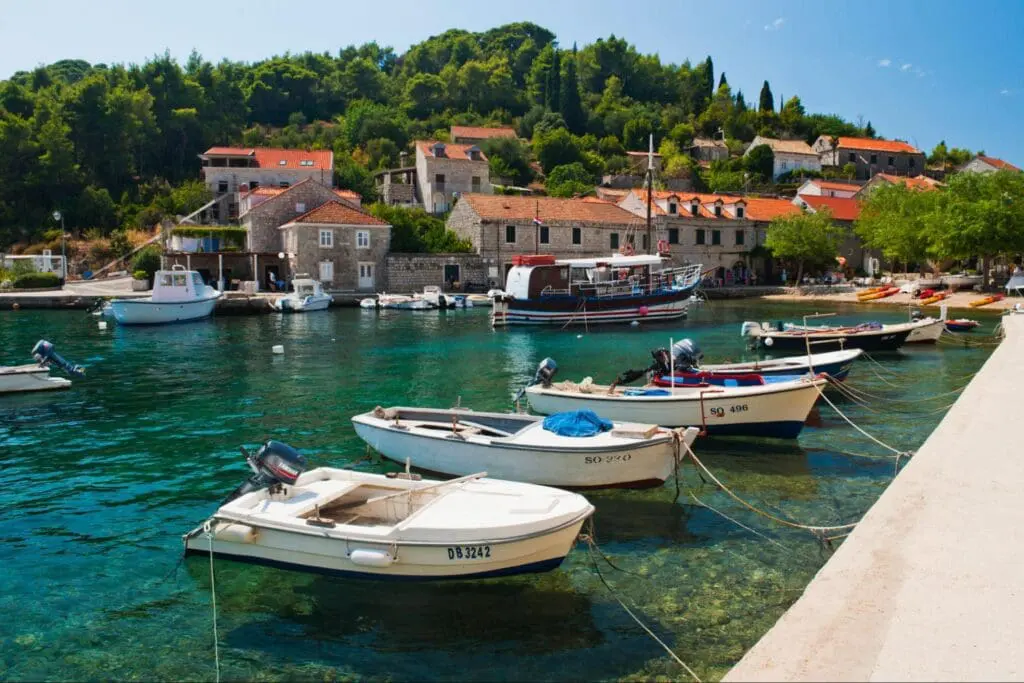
x=650, y=189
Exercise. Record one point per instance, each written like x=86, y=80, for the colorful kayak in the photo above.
x=934, y=299
x=879, y=295
x=985, y=301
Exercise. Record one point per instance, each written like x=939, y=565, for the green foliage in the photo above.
x=894, y=220
x=569, y=180
x=945, y=157
x=229, y=235
x=760, y=162
x=148, y=260
x=22, y=267
x=140, y=275
x=805, y=239
x=508, y=158
x=766, y=101
x=569, y=104
x=416, y=231
x=36, y=281
x=556, y=148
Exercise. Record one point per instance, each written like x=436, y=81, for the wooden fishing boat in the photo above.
x=985, y=301
x=348, y=523
x=961, y=325
x=835, y=364
x=869, y=336
x=521, y=447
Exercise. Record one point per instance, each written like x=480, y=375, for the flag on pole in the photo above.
x=538, y=221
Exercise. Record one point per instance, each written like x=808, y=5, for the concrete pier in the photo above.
x=928, y=586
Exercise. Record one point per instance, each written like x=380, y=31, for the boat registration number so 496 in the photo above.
x=469, y=552
x=736, y=408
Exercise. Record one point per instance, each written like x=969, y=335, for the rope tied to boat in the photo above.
x=208, y=532
x=895, y=451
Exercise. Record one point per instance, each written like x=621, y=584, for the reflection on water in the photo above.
x=99, y=483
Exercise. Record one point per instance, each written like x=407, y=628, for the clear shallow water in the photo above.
x=98, y=483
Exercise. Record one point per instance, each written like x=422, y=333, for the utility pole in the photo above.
x=650, y=186
x=58, y=216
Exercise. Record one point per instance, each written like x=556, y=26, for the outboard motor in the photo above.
x=545, y=371
x=916, y=315
x=687, y=355
x=44, y=354
x=273, y=464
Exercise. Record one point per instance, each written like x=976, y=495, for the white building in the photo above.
x=984, y=164
x=815, y=187
x=790, y=155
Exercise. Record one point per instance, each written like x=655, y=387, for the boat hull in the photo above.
x=304, y=305
x=928, y=333
x=874, y=341
x=835, y=364
x=29, y=378
x=778, y=412
x=144, y=312
x=638, y=465
x=572, y=310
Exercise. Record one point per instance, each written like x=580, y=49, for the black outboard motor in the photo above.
x=545, y=371
x=274, y=463
x=44, y=354
x=687, y=355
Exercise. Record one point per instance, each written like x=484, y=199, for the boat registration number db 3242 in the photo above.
x=720, y=412
x=598, y=459
x=469, y=552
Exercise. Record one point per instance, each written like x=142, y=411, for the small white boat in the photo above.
x=36, y=376
x=521, y=447
x=777, y=409
x=404, y=303
x=433, y=295
x=926, y=330
x=348, y=523
x=178, y=295
x=368, y=302
x=307, y=295
x=479, y=300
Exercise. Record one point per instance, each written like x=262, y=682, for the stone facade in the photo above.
x=412, y=272
x=870, y=156
x=442, y=178
x=263, y=220
x=789, y=155
x=347, y=258
x=704, y=149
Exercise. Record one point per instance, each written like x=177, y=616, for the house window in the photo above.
x=673, y=235
x=739, y=238
x=300, y=207
x=614, y=240
x=510, y=234
x=222, y=187
x=785, y=165
x=718, y=211
x=326, y=239
x=577, y=236
x=673, y=208
x=326, y=271
x=892, y=161
x=545, y=235
x=716, y=237
x=741, y=212
x=700, y=236
x=693, y=209
x=852, y=157
x=362, y=239
x=439, y=182
x=874, y=158
x=476, y=183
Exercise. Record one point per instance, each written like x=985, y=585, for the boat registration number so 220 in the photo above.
x=469, y=552
x=737, y=408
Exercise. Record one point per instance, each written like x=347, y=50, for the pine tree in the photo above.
x=741, y=103
x=569, y=102
x=722, y=81
x=767, y=102
x=552, y=92
x=869, y=132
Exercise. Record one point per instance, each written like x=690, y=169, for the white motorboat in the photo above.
x=433, y=295
x=776, y=409
x=349, y=523
x=404, y=303
x=36, y=376
x=521, y=447
x=835, y=364
x=926, y=330
x=178, y=295
x=368, y=302
x=307, y=295
x=871, y=336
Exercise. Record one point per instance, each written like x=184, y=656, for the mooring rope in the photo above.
x=846, y=386
x=850, y=422
x=213, y=599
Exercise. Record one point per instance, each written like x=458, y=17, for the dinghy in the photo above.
x=307, y=295
x=36, y=377
x=961, y=325
x=522, y=447
x=774, y=410
x=347, y=523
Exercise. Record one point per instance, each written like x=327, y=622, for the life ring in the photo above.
x=663, y=246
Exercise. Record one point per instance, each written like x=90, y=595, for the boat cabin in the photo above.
x=178, y=284
x=307, y=286
x=532, y=277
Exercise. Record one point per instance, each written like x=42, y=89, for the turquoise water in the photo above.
x=99, y=482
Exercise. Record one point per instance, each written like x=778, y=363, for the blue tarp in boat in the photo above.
x=647, y=392
x=576, y=423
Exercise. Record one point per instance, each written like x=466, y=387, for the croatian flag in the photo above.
x=537, y=221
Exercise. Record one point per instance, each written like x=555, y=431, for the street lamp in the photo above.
x=58, y=216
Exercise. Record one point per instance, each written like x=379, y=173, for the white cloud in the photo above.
x=775, y=25
x=884, y=62
x=906, y=67
x=1004, y=91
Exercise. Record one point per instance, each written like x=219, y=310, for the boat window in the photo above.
x=197, y=281
x=179, y=279
x=165, y=280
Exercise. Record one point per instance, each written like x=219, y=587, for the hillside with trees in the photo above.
x=114, y=146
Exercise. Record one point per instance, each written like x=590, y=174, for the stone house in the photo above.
x=277, y=207
x=500, y=227
x=475, y=135
x=231, y=171
x=722, y=232
x=871, y=156
x=451, y=272
x=984, y=164
x=707, y=150
x=344, y=247
x=445, y=171
x=790, y=155
x=815, y=187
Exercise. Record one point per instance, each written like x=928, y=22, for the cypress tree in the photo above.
x=569, y=102
x=722, y=81
x=741, y=103
x=869, y=132
x=709, y=79
x=767, y=102
x=552, y=96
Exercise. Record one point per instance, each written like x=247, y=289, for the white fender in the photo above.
x=367, y=557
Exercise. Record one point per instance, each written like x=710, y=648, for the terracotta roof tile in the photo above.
x=916, y=183
x=873, y=145
x=337, y=213
x=767, y=208
x=482, y=132
x=998, y=163
x=836, y=185
x=842, y=208
x=757, y=208
x=550, y=209
x=272, y=157
x=786, y=146
x=451, y=150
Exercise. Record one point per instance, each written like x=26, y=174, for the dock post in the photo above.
x=220, y=272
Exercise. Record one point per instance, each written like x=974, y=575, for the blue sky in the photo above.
x=918, y=70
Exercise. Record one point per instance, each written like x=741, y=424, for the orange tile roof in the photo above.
x=482, y=132
x=272, y=157
x=916, y=183
x=767, y=208
x=873, y=145
x=349, y=195
x=271, y=191
x=337, y=213
x=757, y=208
x=550, y=209
x=451, y=150
x=836, y=185
x=842, y=208
x=998, y=163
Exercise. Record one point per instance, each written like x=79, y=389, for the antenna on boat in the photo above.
x=650, y=184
